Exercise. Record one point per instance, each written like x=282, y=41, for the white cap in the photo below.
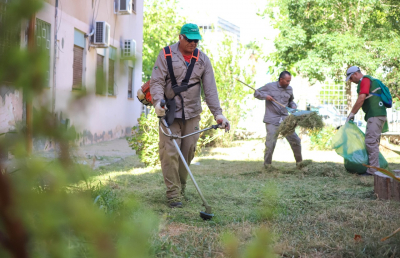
x=352, y=70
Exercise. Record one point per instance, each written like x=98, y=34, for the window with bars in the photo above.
x=77, y=67
x=42, y=36
x=111, y=71
x=130, y=81
x=9, y=32
x=100, y=76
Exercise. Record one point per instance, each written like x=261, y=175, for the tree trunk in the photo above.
x=386, y=187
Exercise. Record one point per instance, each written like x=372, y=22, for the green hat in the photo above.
x=191, y=31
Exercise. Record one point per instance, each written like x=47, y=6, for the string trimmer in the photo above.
x=205, y=215
x=293, y=111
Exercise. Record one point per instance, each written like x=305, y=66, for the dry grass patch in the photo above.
x=176, y=229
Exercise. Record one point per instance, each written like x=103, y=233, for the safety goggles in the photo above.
x=190, y=40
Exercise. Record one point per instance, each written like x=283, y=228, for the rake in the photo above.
x=293, y=111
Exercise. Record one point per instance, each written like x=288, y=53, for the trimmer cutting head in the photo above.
x=206, y=216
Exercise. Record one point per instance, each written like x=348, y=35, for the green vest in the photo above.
x=373, y=106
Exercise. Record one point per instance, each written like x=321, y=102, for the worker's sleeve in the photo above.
x=210, y=89
x=365, y=86
x=158, y=78
x=292, y=104
x=262, y=92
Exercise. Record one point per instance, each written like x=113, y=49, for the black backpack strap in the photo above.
x=168, y=56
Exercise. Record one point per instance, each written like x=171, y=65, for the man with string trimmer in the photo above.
x=278, y=95
x=176, y=78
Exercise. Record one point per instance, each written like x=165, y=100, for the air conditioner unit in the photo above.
x=128, y=49
x=124, y=7
x=101, y=36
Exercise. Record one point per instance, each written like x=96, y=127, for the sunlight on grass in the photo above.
x=245, y=150
x=133, y=172
x=312, y=212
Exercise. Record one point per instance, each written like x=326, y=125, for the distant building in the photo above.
x=215, y=31
x=111, y=111
x=229, y=28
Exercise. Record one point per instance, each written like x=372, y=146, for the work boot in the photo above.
x=303, y=164
x=269, y=167
x=175, y=203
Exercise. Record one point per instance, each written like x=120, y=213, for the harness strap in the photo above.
x=183, y=108
x=184, y=85
x=168, y=56
x=193, y=60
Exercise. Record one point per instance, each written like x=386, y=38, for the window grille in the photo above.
x=130, y=81
x=100, y=78
x=77, y=67
x=42, y=36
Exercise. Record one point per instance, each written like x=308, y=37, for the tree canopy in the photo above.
x=320, y=39
x=161, y=27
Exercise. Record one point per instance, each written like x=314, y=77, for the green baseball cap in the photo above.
x=191, y=31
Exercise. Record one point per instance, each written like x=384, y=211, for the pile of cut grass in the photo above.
x=311, y=121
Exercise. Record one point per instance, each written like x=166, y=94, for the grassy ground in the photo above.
x=312, y=212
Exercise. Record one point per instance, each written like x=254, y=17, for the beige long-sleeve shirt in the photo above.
x=202, y=72
x=274, y=113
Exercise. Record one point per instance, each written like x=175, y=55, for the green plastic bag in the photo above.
x=349, y=142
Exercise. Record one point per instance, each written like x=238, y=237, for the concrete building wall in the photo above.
x=96, y=117
x=11, y=108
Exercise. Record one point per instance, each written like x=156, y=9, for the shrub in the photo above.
x=322, y=140
x=232, y=94
x=144, y=139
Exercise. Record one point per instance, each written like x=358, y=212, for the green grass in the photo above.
x=312, y=212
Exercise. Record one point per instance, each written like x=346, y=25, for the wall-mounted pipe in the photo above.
x=53, y=106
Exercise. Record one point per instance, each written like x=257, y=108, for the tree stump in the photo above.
x=386, y=187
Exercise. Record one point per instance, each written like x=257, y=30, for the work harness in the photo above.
x=178, y=89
